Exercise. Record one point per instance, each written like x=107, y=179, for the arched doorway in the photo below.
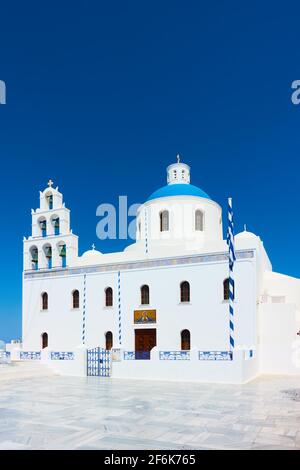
x=44, y=340
x=108, y=340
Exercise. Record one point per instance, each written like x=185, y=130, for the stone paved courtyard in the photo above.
x=54, y=412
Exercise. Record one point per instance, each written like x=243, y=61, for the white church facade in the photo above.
x=161, y=306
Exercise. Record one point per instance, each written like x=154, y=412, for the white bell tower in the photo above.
x=52, y=243
x=178, y=173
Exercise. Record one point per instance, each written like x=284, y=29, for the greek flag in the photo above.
x=232, y=258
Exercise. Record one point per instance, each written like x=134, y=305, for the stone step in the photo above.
x=24, y=369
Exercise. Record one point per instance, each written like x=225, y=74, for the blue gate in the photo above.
x=98, y=362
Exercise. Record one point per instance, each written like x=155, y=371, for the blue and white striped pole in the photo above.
x=83, y=310
x=146, y=231
x=232, y=258
x=119, y=310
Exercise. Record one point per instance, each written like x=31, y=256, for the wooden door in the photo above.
x=145, y=340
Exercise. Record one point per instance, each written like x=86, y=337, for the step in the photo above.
x=24, y=369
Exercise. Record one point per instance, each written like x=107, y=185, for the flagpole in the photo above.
x=231, y=257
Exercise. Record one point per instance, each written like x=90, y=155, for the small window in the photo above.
x=199, y=221
x=75, y=299
x=226, y=290
x=184, y=292
x=108, y=297
x=145, y=295
x=164, y=221
x=185, y=340
x=44, y=301
x=44, y=340
x=108, y=340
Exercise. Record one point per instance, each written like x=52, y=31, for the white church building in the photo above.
x=160, y=308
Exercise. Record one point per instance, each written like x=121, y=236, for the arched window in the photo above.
x=62, y=251
x=50, y=201
x=34, y=255
x=164, y=221
x=226, y=289
x=108, y=340
x=44, y=301
x=199, y=220
x=55, y=223
x=184, y=292
x=44, y=340
x=108, y=297
x=43, y=227
x=145, y=295
x=48, y=255
x=185, y=340
x=75, y=299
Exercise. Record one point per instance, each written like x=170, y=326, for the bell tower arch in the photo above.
x=51, y=243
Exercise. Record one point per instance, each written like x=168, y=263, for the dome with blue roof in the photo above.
x=178, y=190
x=178, y=183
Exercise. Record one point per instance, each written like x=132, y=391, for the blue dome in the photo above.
x=178, y=190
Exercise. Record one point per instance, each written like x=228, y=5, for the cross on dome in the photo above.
x=178, y=158
x=93, y=246
x=50, y=183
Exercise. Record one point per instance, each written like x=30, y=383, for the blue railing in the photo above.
x=62, y=356
x=4, y=354
x=215, y=355
x=136, y=355
x=30, y=355
x=174, y=355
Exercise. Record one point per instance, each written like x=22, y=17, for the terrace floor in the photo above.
x=54, y=412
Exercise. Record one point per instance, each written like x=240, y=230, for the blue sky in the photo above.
x=101, y=96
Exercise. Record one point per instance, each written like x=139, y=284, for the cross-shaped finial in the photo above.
x=178, y=158
x=50, y=183
x=93, y=246
x=245, y=227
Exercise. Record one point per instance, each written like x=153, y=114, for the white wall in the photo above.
x=278, y=341
x=206, y=316
x=62, y=323
x=181, y=221
x=234, y=372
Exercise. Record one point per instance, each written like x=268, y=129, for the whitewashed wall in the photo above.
x=206, y=316
x=278, y=341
